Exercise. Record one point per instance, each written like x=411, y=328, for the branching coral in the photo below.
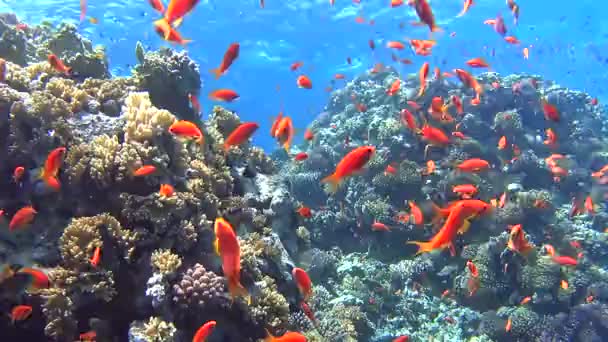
x=269, y=308
x=154, y=330
x=144, y=121
x=57, y=309
x=79, y=240
x=165, y=262
x=199, y=288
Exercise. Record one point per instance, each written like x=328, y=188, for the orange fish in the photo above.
x=477, y=63
x=564, y=284
x=457, y=219
x=339, y=76
x=458, y=104
x=196, y=105
x=465, y=190
x=465, y=9
x=517, y=240
x=416, y=216
x=58, y=65
x=549, y=249
x=226, y=95
x=526, y=300
x=589, y=206
x=551, y=112
x=96, y=258
x=390, y=169
x=425, y=14
x=351, y=164
x=169, y=34
x=508, y=325
x=396, y=3
x=229, y=57
x=430, y=167
x=308, y=135
x=469, y=81
x=296, y=65
x=166, y=190
x=304, y=212
x=289, y=336
x=414, y=105
x=394, y=89
x=275, y=124
x=395, y=45
x=20, y=313
x=204, y=331
x=423, y=74
x=51, y=168
x=434, y=136
x=83, y=9
x=502, y=201
x=380, y=227
x=187, y=129
x=240, y=134
x=22, y=218
x=502, y=143
x=145, y=170
x=227, y=247
x=565, y=260
x=403, y=338
x=512, y=40
x=157, y=5
x=472, y=268
x=285, y=132
x=473, y=165
x=303, y=282
x=301, y=156
x=304, y=82
x=18, y=173
x=178, y=9
x=408, y=120
x=551, y=140
x=39, y=279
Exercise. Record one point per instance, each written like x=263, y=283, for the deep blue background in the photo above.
x=567, y=38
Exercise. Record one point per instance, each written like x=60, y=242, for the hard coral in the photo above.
x=165, y=262
x=154, y=330
x=144, y=121
x=78, y=242
x=269, y=308
x=199, y=288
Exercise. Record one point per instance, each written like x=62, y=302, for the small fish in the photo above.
x=58, y=65
x=549, y=249
x=430, y=167
x=589, y=206
x=204, y=331
x=96, y=258
x=416, y=216
x=408, y=120
x=89, y=336
x=83, y=9
x=526, y=300
x=458, y=104
x=394, y=89
x=227, y=247
x=308, y=135
x=395, y=45
x=425, y=14
x=166, y=190
x=304, y=82
x=187, y=129
x=402, y=338
x=194, y=103
x=303, y=282
x=477, y=63
x=229, y=57
x=93, y=20
x=465, y=9
x=289, y=336
x=296, y=65
x=526, y=53
x=145, y=170
x=508, y=325
x=396, y=3
x=51, y=167
x=301, y=156
x=459, y=135
x=423, y=74
x=550, y=111
x=20, y=313
x=39, y=279
x=339, y=76
x=22, y=218
x=564, y=284
x=351, y=164
x=304, y=211
x=380, y=227
x=224, y=95
x=168, y=33
x=517, y=240
x=565, y=260
x=503, y=200
x=308, y=312
x=512, y=40
x=372, y=44
x=551, y=140
x=18, y=174
x=240, y=135
x=465, y=190
x=473, y=165
x=502, y=143
x=390, y=169
x=178, y=9
x=285, y=132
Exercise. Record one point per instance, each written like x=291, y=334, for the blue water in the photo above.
x=567, y=40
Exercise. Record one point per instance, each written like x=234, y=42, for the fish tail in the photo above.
x=52, y=182
x=237, y=290
x=423, y=246
x=216, y=72
x=333, y=182
x=164, y=26
x=186, y=41
x=286, y=147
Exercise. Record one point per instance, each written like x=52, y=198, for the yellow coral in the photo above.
x=144, y=121
x=269, y=308
x=103, y=152
x=99, y=283
x=57, y=309
x=157, y=330
x=164, y=261
x=66, y=90
x=79, y=240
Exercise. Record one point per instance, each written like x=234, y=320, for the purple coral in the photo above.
x=199, y=287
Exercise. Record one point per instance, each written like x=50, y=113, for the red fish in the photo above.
x=229, y=57
x=240, y=134
x=502, y=143
x=380, y=227
x=473, y=165
x=565, y=260
x=296, y=65
x=458, y=104
x=157, y=5
x=390, y=169
x=275, y=124
x=425, y=14
x=39, y=279
x=517, y=240
x=169, y=34
x=526, y=300
x=22, y=218
x=551, y=112
x=227, y=247
x=301, y=156
x=551, y=140
x=289, y=336
x=58, y=65
x=395, y=45
x=408, y=120
x=465, y=190
x=434, y=136
x=308, y=135
x=96, y=258
x=83, y=9
x=394, y=89
x=477, y=63
x=512, y=40
x=403, y=338
x=465, y=9
x=352, y=163
x=372, y=44
x=20, y=313
x=472, y=268
x=396, y=3
x=589, y=206
x=166, y=190
x=145, y=170
x=304, y=212
x=285, y=132
x=196, y=105
x=51, y=168
x=89, y=336
x=204, y=331
x=423, y=74
x=303, y=282
x=178, y=9
x=18, y=174
x=416, y=215
x=304, y=82
x=225, y=95
x=498, y=24
x=187, y=129
x=469, y=81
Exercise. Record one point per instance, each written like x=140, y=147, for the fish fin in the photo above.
x=163, y=25
x=52, y=182
x=216, y=72
x=333, y=182
x=186, y=41
x=423, y=246
x=177, y=23
x=216, y=246
x=465, y=227
x=237, y=290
